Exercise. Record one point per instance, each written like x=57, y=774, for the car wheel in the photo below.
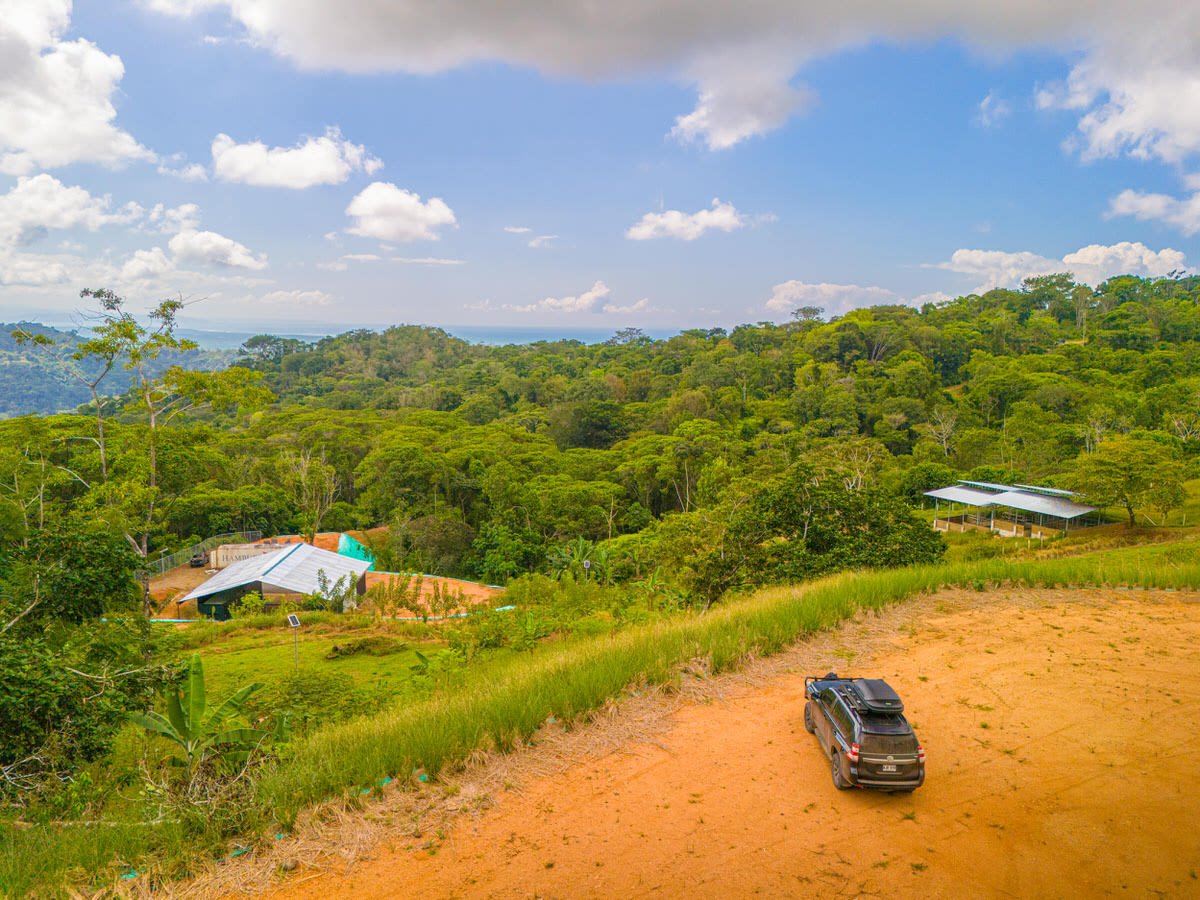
x=835, y=769
x=809, y=726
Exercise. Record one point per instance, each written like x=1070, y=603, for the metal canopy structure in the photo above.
x=1011, y=509
x=965, y=495
x=291, y=569
x=1040, y=503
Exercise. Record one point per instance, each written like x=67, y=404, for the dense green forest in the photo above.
x=606, y=485
x=37, y=380
x=487, y=462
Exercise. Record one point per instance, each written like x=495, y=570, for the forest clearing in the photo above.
x=615, y=519
x=1041, y=712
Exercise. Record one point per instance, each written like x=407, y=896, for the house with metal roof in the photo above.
x=293, y=569
x=1012, y=510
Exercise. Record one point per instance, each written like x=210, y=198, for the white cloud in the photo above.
x=428, y=261
x=1135, y=80
x=517, y=229
x=43, y=202
x=389, y=213
x=297, y=298
x=834, y=299
x=31, y=270
x=325, y=160
x=1180, y=212
x=542, y=240
x=1138, y=91
x=741, y=101
x=185, y=217
x=145, y=264
x=177, y=167
x=642, y=305
x=210, y=247
x=1091, y=264
x=993, y=109
x=343, y=263
x=686, y=226
x=56, y=104
x=585, y=302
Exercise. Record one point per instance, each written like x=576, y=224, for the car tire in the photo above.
x=835, y=769
x=809, y=725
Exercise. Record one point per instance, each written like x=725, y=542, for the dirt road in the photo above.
x=1059, y=730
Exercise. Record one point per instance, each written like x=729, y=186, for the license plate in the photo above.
x=887, y=768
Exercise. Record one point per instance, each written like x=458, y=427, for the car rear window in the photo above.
x=889, y=743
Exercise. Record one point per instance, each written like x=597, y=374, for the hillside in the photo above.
x=1027, y=792
x=32, y=383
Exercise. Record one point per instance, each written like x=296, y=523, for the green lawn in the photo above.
x=268, y=656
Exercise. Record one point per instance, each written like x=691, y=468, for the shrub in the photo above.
x=373, y=645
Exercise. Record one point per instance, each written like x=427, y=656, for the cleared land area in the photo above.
x=1058, y=726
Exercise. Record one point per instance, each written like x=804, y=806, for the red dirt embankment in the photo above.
x=1059, y=728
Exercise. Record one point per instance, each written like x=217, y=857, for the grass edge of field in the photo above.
x=568, y=682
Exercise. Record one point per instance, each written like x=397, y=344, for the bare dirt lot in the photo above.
x=1059, y=728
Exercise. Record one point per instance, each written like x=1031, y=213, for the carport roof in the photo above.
x=293, y=568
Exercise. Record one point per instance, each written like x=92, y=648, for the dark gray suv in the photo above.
x=860, y=725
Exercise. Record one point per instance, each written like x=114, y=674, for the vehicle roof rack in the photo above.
x=877, y=696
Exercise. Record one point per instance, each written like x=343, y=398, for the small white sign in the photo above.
x=293, y=620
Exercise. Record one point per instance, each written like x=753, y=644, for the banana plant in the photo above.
x=197, y=731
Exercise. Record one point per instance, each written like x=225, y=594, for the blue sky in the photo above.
x=672, y=164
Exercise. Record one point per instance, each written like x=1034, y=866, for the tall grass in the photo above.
x=508, y=706
x=504, y=703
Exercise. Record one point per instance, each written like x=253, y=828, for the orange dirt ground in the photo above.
x=1059, y=728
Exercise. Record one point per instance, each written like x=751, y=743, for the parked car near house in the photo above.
x=860, y=725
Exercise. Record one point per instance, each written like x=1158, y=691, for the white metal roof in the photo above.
x=291, y=568
x=987, y=485
x=969, y=496
x=1039, y=503
x=1057, y=492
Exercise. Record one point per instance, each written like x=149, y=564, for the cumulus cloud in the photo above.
x=542, y=240
x=993, y=109
x=214, y=248
x=382, y=210
x=1135, y=78
x=834, y=299
x=178, y=167
x=56, y=104
x=297, y=298
x=43, y=202
x=172, y=220
x=1091, y=264
x=642, y=305
x=31, y=270
x=686, y=226
x=329, y=159
x=1179, y=212
x=585, y=302
x=146, y=264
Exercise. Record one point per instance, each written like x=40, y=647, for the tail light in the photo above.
x=852, y=753
x=920, y=754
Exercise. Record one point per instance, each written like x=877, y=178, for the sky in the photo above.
x=283, y=164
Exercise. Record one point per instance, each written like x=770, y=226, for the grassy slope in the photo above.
x=505, y=701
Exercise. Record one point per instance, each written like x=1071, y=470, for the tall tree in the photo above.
x=1135, y=473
